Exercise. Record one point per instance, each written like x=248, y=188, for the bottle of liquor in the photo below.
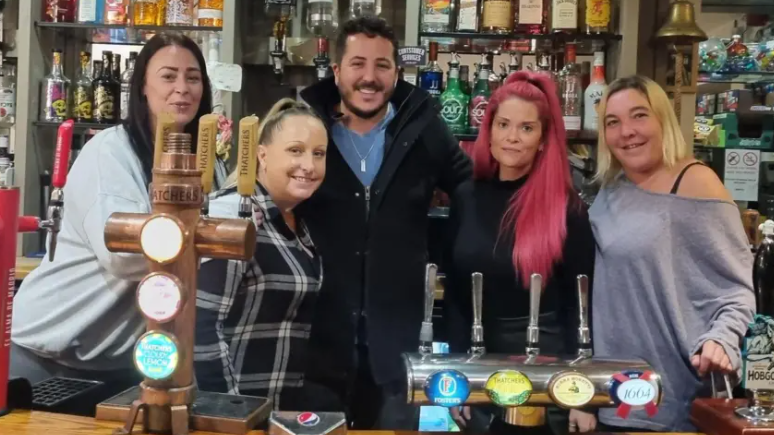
x=211, y=13
x=280, y=9
x=126, y=81
x=465, y=79
x=105, y=92
x=454, y=102
x=593, y=94
x=56, y=89
x=360, y=8
x=322, y=17
x=480, y=98
x=515, y=62
x=598, y=16
x=468, y=15
x=564, y=16
x=431, y=77
x=437, y=15
x=84, y=91
x=532, y=17
x=497, y=16
x=763, y=271
x=90, y=11
x=117, y=12
x=59, y=11
x=145, y=12
x=8, y=93
x=572, y=94
x=179, y=13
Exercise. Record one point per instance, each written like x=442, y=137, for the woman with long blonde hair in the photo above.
x=673, y=272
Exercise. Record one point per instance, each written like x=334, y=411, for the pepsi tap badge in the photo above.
x=447, y=388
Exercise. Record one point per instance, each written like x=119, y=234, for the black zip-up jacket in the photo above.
x=373, y=240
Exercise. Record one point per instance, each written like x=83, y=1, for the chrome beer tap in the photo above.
x=584, y=334
x=426, y=332
x=533, y=333
x=477, y=330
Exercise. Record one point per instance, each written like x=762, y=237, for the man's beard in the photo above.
x=360, y=113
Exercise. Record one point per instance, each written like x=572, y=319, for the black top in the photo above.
x=475, y=245
x=373, y=241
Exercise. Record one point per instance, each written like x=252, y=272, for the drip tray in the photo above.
x=213, y=412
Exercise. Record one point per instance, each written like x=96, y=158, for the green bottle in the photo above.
x=454, y=102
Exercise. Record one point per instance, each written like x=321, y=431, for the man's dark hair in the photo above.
x=370, y=26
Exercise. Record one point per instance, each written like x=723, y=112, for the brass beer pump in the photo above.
x=173, y=238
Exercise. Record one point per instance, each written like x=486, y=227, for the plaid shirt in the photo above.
x=253, y=318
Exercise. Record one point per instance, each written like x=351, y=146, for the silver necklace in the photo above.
x=361, y=157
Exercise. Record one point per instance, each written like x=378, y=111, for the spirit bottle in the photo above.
x=84, y=92
x=532, y=17
x=126, y=80
x=145, y=12
x=211, y=13
x=572, y=94
x=56, y=88
x=465, y=79
x=454, y=102
x=593, y=94
x=89, y=11
x=117, y=12
x=480, y=98
x=597, y=16
x=322, y=17
x=59, y=11
x=564, y=16
x=8, y=93
x=179, y=13
x=468, y=14
x=360, y=8
x=105, y=92
x=497, y=16
x=431, y=77
x=437, y=15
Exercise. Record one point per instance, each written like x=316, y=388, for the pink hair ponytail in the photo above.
x=537, y=213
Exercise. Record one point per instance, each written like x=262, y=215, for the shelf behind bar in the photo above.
x=517, y=36
x=751, y=77
x=78, y=125
x=116, y=26
x=584, y=138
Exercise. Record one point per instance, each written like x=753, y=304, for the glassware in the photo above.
x=322, y=17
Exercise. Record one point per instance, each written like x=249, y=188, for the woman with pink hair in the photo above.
x=518, y=216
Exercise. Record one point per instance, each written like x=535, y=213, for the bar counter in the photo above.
x=39, y=423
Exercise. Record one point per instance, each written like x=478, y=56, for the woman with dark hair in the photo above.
x=75, y=316
x=517, y=217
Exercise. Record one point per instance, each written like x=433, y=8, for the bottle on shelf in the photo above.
x=83, y=94
x=91, y=11
x=359, y=8
x=564, y=16
x=763, y=271
x=593, y=94
x=210, y=13
x=497, y=16
x=494, y=79
x=531, y=17
x=431, y=77
x=479, y=100
x=8, y=93
x=56, y=89
x=571, y=92
x=105, y=92
x=437, y=15
x=126, y=80
x=598, y=16
x=179, y=13
x=468, y=16
x=59, y=11
x=465, y=79
x=117, y=12
x=322, y=17
x=116, y=76
x=515, y=63
x=6, y=163
x=145, y=12
x=454, y=102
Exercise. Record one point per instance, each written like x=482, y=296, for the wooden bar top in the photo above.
x=39, y=423
x=25, y=265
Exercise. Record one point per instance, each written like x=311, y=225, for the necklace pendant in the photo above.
x=362, y=165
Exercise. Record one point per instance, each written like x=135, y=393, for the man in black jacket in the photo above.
x=389, y=150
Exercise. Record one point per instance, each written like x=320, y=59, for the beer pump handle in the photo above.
x=205, y=155
x=247, y=164
x=426, y=332
x=165, y=124
x=64, y=143
x=584, y=334
x=477, y=330
x=535, y=290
